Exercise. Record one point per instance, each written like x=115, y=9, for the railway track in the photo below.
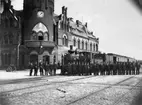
x=41, y=85
x=96, y=92
x=121, y=98
x=4, y=94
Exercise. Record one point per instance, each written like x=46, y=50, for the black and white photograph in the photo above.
x=70, y=52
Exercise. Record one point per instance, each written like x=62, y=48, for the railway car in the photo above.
x=72, y=61
x=112, y=58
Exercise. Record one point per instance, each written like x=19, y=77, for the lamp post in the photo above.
x=18, y=55
x=19, y=41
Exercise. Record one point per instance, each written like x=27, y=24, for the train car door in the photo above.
x=114, y=59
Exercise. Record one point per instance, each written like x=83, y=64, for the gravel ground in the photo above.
x=83, y=90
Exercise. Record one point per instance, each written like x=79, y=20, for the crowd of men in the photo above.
x=120, y=68
x=84, y=68
x=42, y=68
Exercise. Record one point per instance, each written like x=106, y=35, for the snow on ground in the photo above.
x=61, y=90
x=14, y=75
x=18, y=75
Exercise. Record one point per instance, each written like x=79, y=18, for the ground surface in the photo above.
x=72, y=90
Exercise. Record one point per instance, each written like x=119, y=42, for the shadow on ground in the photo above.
x=3, y=100
x=138, y=99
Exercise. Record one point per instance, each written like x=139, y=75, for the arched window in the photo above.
x=94, y=46
x=40, y=28
x=90, y=46
x=82, y=45
x=74, y=42
x=65, y=40
x=40, y=35
x=46, y=36
x=86, y=45
x=34, y=36
x=78, y=43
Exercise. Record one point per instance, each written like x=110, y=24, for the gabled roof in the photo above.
x=79, y=29
x=10, y=9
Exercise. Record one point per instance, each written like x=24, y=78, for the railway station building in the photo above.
x=37, y=33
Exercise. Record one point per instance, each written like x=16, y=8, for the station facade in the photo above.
x=36, y=33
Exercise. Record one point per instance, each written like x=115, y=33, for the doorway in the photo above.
x=114, y=60
x=46, y=59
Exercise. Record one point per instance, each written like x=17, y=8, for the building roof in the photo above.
x=119, y=55
x=77, y=28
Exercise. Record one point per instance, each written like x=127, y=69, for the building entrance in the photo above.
x=46, y=58
x=34, y=58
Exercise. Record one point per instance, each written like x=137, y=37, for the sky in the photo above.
x=116, y=22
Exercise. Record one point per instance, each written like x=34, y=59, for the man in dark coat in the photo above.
x=41, y=68
x=46, y=68
x=35, y=69
x=54, y=69
x=31, y=66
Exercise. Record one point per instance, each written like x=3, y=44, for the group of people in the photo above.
x=83, y=68
x=42, y=68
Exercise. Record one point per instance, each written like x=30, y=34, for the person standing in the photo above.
x=35, y=68
x=41, y=68
x=31, y=66
x=46, y=67
x=54, y=68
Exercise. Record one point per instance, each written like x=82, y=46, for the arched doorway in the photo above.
x=46, y=58
x=33, y=58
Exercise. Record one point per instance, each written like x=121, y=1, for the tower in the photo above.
x=38, y=28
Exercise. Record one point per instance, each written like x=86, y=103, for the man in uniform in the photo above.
x=54, y=68
x=138, y=68
x=114, y=69
x=41, y=68
x=46, y=68
x=35, y=69
x=31, y=66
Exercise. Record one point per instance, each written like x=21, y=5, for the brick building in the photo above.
x=74, y=35
x=41, y=35
x=10, y=32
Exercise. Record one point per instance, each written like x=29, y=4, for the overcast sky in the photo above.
x=116, y=22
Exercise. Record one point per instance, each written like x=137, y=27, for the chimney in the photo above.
x=77, y=23
x=63, y=9
x=66, y=9
x=86, y=24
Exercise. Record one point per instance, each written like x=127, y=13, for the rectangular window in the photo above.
x=40, y=37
